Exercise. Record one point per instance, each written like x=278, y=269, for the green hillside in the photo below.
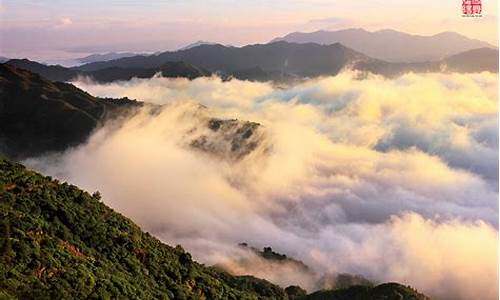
x=386, y=291
x=59, y=242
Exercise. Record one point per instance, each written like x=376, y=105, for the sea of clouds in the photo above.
x=391, y=179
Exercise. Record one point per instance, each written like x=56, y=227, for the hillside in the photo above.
x=391, y=45
x=387, y=291
x=59, y=242
x=51, y=72
x=37, y=115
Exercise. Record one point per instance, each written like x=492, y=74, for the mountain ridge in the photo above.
x=110, y=74
x=60, y=242
x=38, y=115
x=391, y=45
x=104, y=56
x=287, y=57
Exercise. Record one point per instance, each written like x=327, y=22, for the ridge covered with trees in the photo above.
x=59, y=242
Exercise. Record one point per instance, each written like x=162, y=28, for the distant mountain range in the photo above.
x=196, y=44
x=476, y=60
x=279, y=61
x=110, y=74
x=104, y=57
x=391, y=45
x=280, y=58
x=306, y=55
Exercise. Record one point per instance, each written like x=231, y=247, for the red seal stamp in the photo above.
x=471, y=8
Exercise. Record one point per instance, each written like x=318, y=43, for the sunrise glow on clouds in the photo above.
x=394, y=179
x=357, y=176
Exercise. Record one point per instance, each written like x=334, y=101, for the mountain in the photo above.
x=50, y=72
x=37, y=115
x=276, y=58
x=227, y=138
x=3, y=59
x=476, y=60
x=196, y=44
x=391, y=45
x=276, y=260
x=104, y=57
x=60, y=73
x=168, y=69
x=279, y=62
x=269, y=255
x=283, y=61
x=59, y=242
x=387, y=291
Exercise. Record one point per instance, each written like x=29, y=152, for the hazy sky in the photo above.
x=58, y=29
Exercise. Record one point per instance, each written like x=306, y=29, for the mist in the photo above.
x=391, y=179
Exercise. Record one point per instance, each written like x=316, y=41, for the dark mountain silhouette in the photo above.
x=168, y=69
x=104, y=57
x=3, y=59
x=391, y=45
x=277, y=58
x=280, y=61
x=59, y=242
x=59, y=73
x=37, y=115
x=50, y=72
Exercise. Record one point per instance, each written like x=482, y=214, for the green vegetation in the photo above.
x=386, y=291
x=59, y=242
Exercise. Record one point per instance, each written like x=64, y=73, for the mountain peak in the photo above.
x=391, y=45
x=196, y=44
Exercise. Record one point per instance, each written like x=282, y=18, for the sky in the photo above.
x=58, y=30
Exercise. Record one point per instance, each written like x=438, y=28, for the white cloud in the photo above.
x=390, y=179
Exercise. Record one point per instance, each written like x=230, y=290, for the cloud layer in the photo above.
x=395, y=180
